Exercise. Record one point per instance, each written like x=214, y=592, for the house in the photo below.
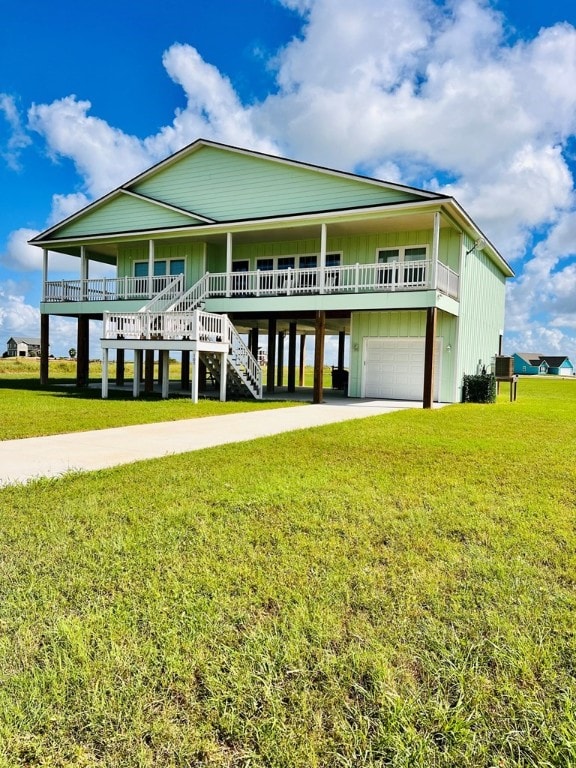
x=22, y=346
x=531, y=363
x=218, y=248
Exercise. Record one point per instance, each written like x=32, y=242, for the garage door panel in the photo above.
x=394, y=368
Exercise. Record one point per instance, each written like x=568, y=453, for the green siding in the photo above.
x=482, y=294
x=361, y=249
x=226, y=185
x=124, y=214
x=409, y=324
x=192, y=253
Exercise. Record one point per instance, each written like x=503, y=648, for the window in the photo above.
x=395, y=274
x=265, y=282
x=162, y=267
x=389, y=273
x=284, y=262
x=239, y=279
x=332, y=275
x=176, y=266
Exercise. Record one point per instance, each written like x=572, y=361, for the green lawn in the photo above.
x=397, y=591
x=30, y=410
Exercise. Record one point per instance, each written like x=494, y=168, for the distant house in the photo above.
x=23, y=346
x=531, y=363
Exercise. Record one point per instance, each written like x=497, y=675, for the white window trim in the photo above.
x=295, y=256
x=402, y=251
x=145, y=261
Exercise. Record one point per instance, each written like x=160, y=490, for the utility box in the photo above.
x=504, y=367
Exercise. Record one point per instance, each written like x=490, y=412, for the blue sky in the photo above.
x=474, y=98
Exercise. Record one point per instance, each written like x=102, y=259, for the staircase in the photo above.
x=214, y=334
x=244, y=374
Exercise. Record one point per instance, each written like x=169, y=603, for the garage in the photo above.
x=394, y=368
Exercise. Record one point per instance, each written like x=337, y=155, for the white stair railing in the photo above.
x=244, y=362
x=166, y=297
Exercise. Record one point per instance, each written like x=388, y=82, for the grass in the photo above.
x=29, y=410
x=392, y=592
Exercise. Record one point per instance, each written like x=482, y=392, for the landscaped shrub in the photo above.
x=480, y=388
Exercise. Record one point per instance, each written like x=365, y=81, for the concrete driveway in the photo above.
x=34, y=457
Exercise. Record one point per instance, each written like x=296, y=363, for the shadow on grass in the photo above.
x=67, y=388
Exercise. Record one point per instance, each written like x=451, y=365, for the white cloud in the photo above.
x=18, y=138
x=17, y=318
x=543, y=340
x=104, y=157
x=20, y=256
x=64, y=206
x=213, y=108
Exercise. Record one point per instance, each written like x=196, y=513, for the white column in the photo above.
x=195, y=376
x=435, y=248
x=228, y=261
x=323, y=239
x=44, y=272
x=223, y=375
x=137, y=364
x=150, y=267
x=104, y=373
x=165, y=373
x=83, y=272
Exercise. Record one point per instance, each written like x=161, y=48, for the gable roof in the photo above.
x=212, y=186
x=32, y=342
x=208, y=182
x=535, y=359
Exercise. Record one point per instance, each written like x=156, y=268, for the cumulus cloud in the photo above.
x=435, y=93
x=17, y=318
x=22, y=257
x=17, y=139
x=104, y=156
x=213, y=109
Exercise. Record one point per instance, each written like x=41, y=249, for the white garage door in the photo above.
x=394, y=368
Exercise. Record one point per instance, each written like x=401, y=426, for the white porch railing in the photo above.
x=107, y=288
x=197, y=326
x=448, y=281
x=353, y=278
x=193, y=326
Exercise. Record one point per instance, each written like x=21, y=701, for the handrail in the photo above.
x=169, y=293
x=243, y=359
x=350, y=278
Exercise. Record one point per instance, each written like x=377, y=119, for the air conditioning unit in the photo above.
x=503, y=367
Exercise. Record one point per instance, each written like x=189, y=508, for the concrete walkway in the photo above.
x=33, y=457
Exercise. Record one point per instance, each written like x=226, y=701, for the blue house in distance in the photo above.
x=531, y=363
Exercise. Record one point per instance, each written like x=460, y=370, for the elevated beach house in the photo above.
x=218, y=250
